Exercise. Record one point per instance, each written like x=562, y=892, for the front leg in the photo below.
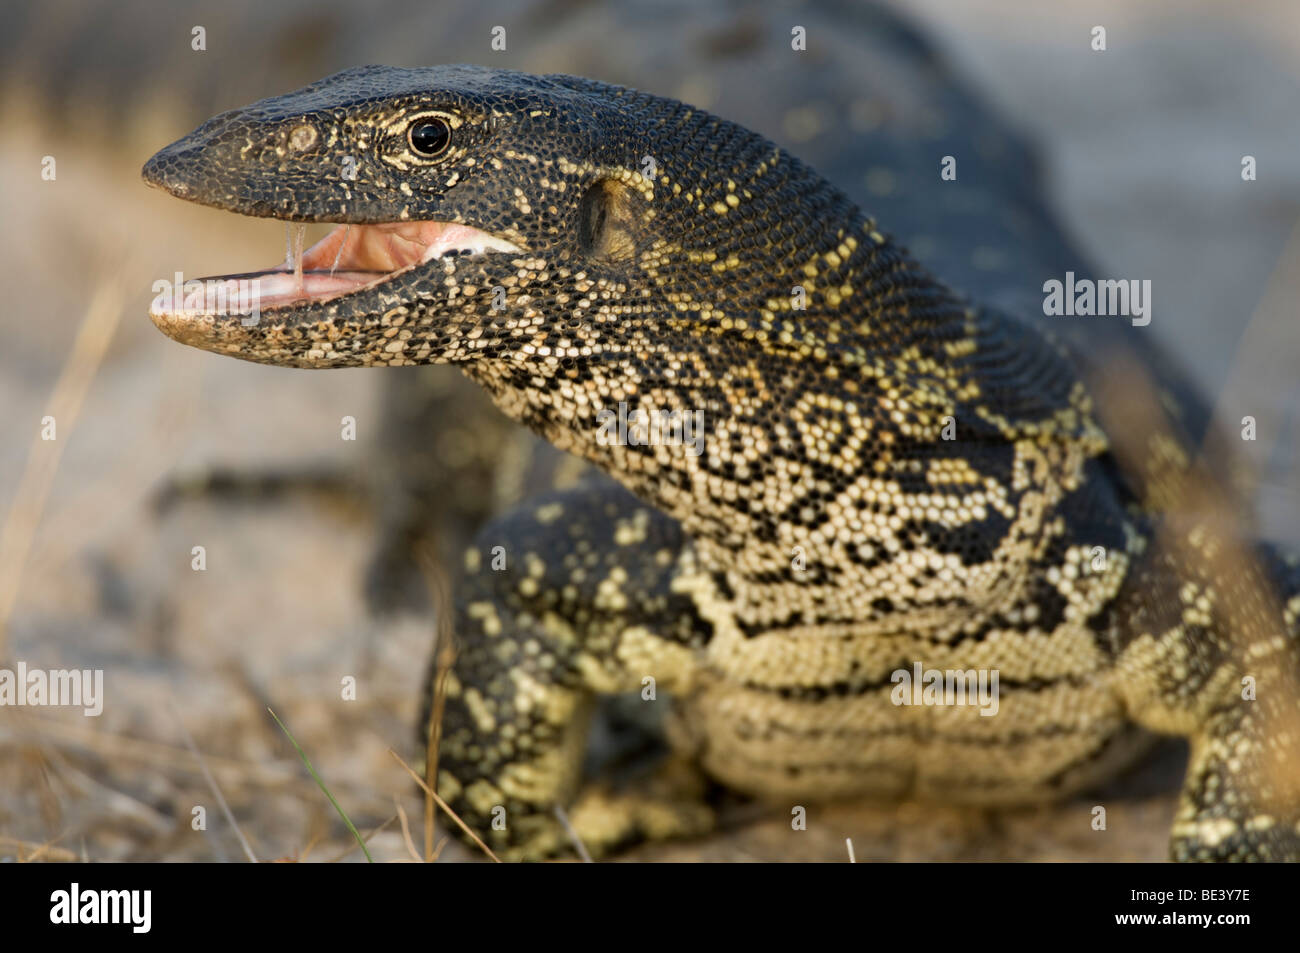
x=1239, y=799
x=1214, y=629
x=565, y=598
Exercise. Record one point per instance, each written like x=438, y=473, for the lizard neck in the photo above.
x=746, y=420
x=849, y=443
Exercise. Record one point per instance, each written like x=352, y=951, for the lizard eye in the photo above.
x=429, y=136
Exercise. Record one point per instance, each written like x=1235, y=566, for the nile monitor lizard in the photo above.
x=888, y=478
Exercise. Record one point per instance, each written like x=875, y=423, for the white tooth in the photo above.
x=476, y=246
x=339, y=253
x=299, y=235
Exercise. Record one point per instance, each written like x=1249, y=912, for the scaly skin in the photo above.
x=890, y=475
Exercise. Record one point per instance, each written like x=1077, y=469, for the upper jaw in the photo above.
x=375, y=239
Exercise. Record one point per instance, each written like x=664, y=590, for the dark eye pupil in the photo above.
x=430, y=136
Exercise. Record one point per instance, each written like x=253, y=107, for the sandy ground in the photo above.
x=1143, y=159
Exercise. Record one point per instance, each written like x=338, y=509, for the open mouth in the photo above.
x=350, y=258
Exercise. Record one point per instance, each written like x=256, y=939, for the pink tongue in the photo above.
x=354, y=256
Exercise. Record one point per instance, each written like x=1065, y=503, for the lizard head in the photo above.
x=488, y=213
x=469, y=205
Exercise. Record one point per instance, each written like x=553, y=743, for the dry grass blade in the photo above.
x=573, y=835
x=443, y=804
x=368, y=838
x=406, y=830
x=1200, y=506
x=93, y=338
x=28, y=852
x=212, y=782
x=437, y=851
x=446, y=655
x=61, y=734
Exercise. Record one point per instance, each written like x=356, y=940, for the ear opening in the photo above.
x=606, y=221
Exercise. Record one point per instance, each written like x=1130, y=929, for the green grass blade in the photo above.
x=303, y=755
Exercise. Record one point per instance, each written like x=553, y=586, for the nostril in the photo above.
x=174, y=168
x=156, y=172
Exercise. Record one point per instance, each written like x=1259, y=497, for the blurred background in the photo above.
x=1136, y=151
